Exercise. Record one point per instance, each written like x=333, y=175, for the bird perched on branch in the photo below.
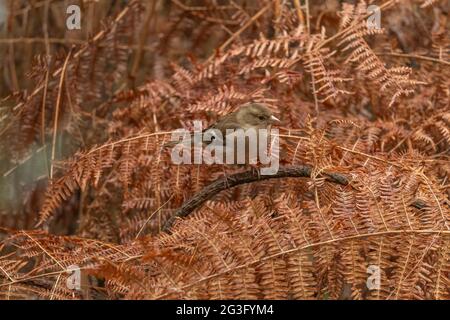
x=252, y=116
x=248, y=116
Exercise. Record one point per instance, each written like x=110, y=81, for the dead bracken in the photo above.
x=92, y=207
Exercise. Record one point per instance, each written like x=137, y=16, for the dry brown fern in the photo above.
x=370, y=108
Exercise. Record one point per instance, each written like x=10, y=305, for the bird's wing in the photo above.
x=222, y=124
x=228, y=121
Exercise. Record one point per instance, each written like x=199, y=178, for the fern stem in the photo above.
x=58, y=105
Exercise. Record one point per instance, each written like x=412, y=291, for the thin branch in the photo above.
x=413, y=56
x=150, y=216
x=242, y=29
x=58, y=105
x=69, y=42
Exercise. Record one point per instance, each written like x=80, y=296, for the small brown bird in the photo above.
x=229, y=128
x=249, y=116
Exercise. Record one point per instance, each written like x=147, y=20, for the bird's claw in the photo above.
x=226, y=178
x=256, y=170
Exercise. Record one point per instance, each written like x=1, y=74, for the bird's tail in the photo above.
x=171, y=144
x=186, y=141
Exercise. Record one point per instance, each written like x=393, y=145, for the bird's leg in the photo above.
x=226, y=177
x=255, y=169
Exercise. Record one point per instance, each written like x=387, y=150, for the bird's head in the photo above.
x=256, y=115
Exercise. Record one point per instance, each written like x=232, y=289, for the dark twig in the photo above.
x=242, y=178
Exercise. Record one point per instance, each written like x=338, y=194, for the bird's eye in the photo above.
x=261, y=117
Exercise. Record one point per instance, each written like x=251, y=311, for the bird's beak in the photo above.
x=274, y=119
